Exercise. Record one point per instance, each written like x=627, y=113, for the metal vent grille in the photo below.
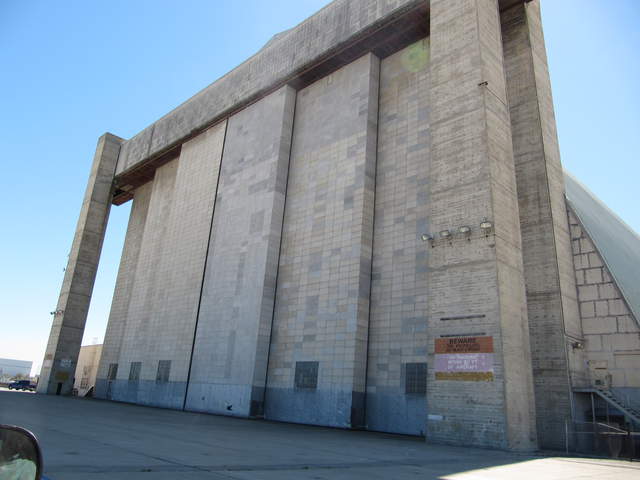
x=306, y=375
x=113, y=371
x=134, y=372
x=164, y=368
x=415, y=378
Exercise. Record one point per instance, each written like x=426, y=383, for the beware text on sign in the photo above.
x=464, y=358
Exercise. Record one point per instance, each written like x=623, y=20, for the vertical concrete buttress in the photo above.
x=550, y=283
x=476, y=286
x=70, y=315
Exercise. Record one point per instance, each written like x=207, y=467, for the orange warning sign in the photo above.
x=464, y=345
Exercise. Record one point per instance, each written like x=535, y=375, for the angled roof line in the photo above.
x=617, y=243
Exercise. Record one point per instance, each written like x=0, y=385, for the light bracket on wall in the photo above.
x=465, y=231
x=486, y=226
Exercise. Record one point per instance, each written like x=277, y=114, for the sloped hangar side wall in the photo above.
x=611, y=332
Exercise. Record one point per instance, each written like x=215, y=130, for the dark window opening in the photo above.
x=164, y=367
x=306, y=375
x=415, y=378
x=113, y=371
x=134, y=372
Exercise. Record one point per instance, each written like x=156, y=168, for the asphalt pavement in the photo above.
x=93, y=440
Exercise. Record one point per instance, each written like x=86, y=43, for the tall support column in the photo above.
x=70, y=315
x=550, y=283
x=476, y=281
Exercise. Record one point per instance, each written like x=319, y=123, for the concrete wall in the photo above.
x=398, y=320
x=291, y=232
x=332, y=28
x=322, y=296
x=550, y=285
x=234, y=325
x=475, y=284
x=125, y=280
x=162, y=310
x=611, y=333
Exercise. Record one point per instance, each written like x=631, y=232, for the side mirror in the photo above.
x=20, y=456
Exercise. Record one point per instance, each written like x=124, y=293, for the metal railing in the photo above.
x=602, y=439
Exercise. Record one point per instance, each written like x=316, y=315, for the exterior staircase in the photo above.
x=631, y=413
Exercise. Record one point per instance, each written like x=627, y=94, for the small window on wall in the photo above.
x=113, y=371
x=415, y=378
x=134, y=372
x=164, y=367
x=306, y=375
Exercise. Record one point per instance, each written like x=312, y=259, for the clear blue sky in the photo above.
x=75, y=69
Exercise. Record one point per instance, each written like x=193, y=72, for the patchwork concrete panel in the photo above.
x=63, y=347
x=124, y=286
x=476, y=281
x=234, y=326
x=322, y=296
x=287, y=55
x=398, y=319
x=161, y=317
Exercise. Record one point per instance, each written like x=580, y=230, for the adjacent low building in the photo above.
x=364, y=225
x=10, y=369
x=87, y=369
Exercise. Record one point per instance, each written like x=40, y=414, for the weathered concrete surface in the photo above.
x=616, y=242
x=284, y=58
x=292, y=52
x=322, y=296
x=125, y=281
x=472, y=177
x=161, y=312
x=550, y=283
x=95, y=440
x=398, y=320
x=231, y=347
x=611, y=332
x=69, y=319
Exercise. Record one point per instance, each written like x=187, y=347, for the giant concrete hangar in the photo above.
x=364, y=225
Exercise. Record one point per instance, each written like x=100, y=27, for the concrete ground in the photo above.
x=91, y=440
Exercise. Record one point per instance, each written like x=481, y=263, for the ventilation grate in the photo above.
x=306, y=375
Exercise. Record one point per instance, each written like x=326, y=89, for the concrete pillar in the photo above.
x=476, y=282
x=550, y=282
x=56, y=376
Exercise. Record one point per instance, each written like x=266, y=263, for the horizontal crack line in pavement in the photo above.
x=229, y=468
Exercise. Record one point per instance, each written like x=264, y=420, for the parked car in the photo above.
x=22, y=385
